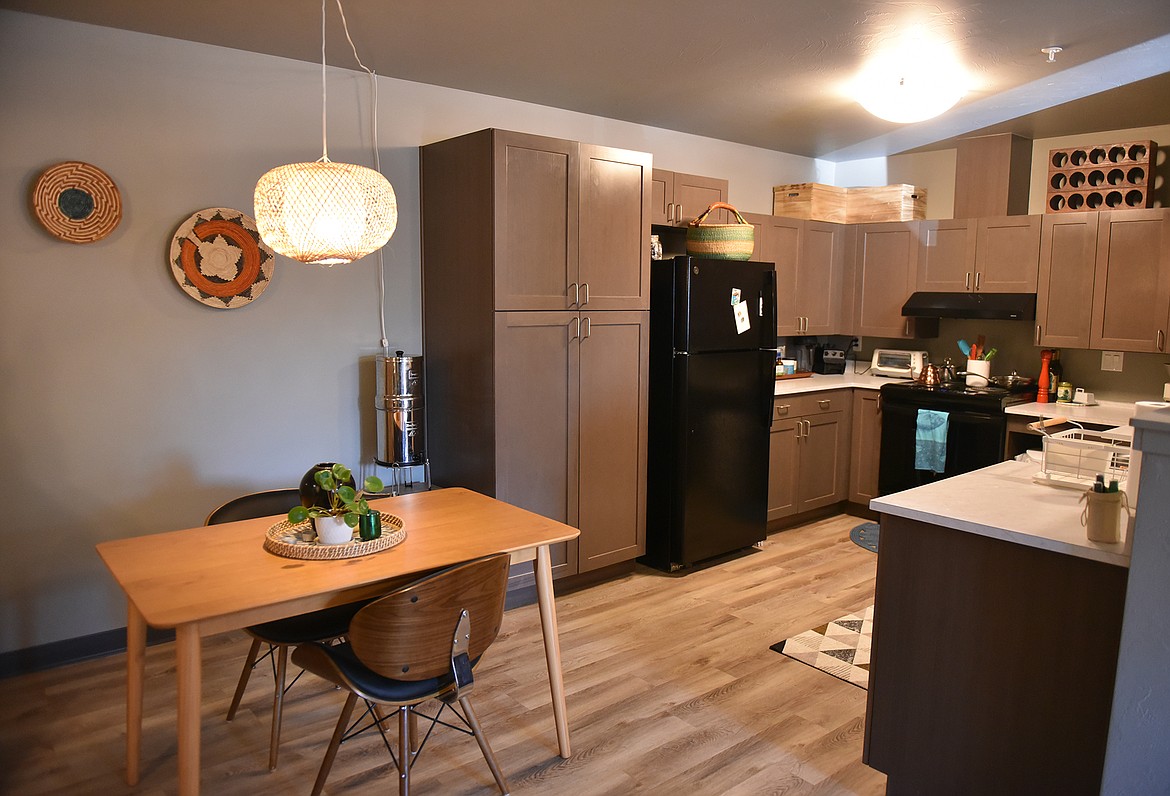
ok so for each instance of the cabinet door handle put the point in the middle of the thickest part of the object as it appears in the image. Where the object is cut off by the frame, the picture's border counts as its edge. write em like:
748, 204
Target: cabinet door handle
1037, 340
978, 277
907, 332
678, 213
807, 428
576, 294
1161, 340
576, 329
967, 281
585, 290
670, 211
588, 328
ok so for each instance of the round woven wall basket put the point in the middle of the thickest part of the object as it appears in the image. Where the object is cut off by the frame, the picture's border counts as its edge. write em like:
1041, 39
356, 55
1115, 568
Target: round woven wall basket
721, 241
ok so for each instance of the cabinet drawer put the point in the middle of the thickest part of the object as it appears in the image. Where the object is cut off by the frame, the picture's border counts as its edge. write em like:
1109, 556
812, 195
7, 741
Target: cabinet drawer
812, 403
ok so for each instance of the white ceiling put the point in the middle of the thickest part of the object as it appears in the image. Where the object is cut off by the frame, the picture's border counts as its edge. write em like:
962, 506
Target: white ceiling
767, 73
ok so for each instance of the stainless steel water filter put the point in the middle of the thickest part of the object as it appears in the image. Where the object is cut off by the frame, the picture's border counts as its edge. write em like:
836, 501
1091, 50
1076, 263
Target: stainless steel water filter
401, 411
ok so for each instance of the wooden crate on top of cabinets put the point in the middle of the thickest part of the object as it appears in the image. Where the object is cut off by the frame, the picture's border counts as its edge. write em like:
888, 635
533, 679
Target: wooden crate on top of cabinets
879, 203
810, 201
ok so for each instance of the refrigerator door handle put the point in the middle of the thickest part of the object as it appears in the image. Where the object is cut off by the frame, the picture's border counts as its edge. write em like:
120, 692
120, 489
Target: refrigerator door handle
768, 363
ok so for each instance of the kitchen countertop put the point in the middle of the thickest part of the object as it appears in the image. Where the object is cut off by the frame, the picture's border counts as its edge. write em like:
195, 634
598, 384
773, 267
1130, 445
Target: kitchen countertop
818, 382
1002, 502
1104, 413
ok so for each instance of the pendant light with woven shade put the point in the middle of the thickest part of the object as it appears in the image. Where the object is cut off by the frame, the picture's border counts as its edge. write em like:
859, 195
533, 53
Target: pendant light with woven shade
325, 213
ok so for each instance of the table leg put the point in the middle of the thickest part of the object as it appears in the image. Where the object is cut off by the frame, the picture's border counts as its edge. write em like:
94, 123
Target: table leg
190, 693
135, 674
542, 568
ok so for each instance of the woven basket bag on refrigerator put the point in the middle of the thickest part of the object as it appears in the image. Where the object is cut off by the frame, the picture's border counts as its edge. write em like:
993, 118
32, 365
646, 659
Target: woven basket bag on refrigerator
720, 241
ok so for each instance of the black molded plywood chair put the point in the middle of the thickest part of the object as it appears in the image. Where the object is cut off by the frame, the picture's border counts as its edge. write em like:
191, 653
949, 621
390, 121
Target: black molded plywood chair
279, 635
419, 642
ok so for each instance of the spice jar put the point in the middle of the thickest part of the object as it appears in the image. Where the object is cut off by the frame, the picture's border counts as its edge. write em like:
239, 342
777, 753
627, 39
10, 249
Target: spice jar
1064, 392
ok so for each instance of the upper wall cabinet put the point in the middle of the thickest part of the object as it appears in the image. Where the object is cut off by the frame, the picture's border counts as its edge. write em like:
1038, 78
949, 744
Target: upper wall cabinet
811, 276
678, 198
885, 259
1131, 290
568, 223
1068, 257
980, 255
1105, 280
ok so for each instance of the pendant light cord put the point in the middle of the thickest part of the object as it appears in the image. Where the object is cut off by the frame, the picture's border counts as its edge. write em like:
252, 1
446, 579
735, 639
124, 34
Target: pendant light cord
324, 92
377, 155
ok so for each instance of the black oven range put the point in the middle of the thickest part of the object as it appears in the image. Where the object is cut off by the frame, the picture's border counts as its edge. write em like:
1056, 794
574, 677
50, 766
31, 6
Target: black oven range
976, 428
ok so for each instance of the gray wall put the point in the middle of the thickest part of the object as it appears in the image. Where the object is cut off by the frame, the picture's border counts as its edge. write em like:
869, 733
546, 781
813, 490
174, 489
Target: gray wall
128, 408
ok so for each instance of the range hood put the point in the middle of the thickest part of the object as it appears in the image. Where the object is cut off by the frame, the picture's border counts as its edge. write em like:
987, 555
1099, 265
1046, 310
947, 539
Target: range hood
983, 306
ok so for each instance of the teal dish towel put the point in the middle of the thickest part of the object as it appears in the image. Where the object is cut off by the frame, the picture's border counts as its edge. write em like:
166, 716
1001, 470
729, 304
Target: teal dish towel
930, 441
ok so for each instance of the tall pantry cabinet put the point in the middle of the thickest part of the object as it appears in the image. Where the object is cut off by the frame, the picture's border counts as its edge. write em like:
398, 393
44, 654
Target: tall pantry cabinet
535, 265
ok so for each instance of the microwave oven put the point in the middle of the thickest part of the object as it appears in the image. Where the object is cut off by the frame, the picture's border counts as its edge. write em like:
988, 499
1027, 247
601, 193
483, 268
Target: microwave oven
898, 364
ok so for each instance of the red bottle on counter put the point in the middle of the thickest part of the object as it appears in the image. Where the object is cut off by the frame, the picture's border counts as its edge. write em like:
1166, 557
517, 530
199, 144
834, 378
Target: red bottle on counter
1042, 383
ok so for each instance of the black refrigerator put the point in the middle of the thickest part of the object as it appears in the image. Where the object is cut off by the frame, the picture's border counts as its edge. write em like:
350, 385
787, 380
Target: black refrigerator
712, 379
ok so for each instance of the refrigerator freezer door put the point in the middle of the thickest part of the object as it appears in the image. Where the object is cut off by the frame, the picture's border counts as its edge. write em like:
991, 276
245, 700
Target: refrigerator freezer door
706, 295
721, 487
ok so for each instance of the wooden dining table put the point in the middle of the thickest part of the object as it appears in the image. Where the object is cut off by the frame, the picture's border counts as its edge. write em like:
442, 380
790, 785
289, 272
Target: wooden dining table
210, 579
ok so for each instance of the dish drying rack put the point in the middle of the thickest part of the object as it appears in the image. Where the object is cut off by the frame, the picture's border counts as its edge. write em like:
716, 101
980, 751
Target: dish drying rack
1073, 458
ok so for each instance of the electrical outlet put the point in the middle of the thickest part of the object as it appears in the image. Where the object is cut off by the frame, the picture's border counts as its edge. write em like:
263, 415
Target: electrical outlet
855, 344
1112, 361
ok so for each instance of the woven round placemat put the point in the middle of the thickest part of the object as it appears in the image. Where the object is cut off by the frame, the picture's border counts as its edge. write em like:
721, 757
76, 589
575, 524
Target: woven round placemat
300, 540
77, 202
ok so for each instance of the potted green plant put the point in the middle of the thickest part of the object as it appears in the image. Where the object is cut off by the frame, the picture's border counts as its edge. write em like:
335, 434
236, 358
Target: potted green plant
334, 523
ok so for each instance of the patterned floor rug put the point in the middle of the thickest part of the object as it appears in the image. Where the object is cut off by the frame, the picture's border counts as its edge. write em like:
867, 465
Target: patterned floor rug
840, 647
866, 535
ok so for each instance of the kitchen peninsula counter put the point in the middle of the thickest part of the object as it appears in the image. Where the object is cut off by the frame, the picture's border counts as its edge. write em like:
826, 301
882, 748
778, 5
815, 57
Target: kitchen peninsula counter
996, 633
1003, 502
1105, 413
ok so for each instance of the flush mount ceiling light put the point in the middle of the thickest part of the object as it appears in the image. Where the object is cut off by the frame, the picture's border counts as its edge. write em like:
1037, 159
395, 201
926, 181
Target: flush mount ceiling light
914, 79
325, 213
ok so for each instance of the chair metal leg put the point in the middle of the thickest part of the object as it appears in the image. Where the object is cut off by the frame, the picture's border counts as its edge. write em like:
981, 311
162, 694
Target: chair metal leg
413, 731
334, 742
481, 739
277, 705
405, 757
253, 653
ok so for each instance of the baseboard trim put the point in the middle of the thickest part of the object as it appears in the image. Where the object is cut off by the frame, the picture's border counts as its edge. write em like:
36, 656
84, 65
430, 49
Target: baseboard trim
72, 650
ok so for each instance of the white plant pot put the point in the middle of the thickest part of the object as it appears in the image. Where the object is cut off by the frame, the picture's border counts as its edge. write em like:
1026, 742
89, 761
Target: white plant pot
332, 530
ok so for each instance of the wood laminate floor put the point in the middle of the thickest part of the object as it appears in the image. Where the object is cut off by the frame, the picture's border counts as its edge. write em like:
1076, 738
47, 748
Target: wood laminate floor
671, 690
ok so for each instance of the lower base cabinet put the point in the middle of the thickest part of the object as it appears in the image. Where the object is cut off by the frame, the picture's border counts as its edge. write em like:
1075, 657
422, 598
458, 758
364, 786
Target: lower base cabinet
993, 664
866, 446
808, 462
570, 423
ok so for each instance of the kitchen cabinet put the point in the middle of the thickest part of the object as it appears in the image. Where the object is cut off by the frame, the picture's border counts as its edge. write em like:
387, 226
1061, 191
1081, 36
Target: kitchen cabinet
885, 259
865, 446
822, 284
1131, 290
777, 240
1064, 293
571, 425
979, 255
811, 276
535, 270
1105, 280
567, 219
809, 452
678, 198
983, 714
